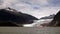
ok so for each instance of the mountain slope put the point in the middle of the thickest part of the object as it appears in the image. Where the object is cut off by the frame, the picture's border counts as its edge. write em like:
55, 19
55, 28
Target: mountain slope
15, 17
48, 17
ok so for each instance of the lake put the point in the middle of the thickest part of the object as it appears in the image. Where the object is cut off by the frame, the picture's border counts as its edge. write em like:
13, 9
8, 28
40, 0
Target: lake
29, 30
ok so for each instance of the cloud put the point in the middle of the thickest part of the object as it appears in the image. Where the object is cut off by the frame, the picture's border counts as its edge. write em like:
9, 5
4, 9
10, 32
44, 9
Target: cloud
35, 4
7, 3
54, 3
40, 2
37, 8
23, 6
42, 12
1, 2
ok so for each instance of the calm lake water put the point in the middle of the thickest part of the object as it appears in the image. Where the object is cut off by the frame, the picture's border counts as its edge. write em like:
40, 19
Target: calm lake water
25, 30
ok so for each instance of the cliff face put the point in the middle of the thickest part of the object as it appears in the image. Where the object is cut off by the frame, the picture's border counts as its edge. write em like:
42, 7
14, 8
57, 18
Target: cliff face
15, 17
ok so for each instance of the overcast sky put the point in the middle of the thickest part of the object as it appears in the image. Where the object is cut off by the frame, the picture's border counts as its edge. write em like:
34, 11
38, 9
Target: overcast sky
37, 8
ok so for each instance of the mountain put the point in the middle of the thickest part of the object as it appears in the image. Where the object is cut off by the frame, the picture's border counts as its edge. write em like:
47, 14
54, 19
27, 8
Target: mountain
12, 15
55, 22
48, 17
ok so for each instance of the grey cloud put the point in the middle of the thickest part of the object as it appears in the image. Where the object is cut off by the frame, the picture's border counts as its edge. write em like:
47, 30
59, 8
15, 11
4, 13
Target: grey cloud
54, 3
